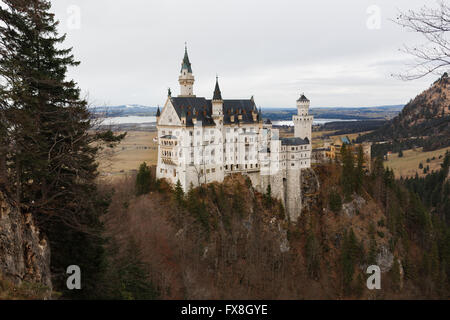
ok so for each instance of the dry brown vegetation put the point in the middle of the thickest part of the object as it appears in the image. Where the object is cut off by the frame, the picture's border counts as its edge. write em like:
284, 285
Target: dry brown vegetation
226, 241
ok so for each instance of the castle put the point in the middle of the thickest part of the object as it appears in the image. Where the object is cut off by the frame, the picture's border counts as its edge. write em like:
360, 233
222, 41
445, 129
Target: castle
202, 140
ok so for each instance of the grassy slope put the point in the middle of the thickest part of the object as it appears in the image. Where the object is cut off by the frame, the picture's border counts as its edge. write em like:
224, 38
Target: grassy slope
408, 165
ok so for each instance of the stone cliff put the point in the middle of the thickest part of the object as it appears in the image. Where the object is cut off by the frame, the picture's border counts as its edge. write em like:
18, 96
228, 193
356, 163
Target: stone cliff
24, 253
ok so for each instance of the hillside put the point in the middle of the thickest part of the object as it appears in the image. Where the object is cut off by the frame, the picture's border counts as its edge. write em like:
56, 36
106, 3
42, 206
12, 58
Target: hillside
227, 241
427, 116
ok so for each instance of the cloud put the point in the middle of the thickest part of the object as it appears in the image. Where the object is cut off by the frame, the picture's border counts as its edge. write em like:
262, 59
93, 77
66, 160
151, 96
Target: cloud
131, 50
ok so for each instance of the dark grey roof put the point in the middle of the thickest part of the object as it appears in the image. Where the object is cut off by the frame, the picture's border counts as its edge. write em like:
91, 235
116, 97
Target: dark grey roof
294, 141
303, 98
186, 64
158, 113
168, 136
268, 121
217, 94
203, 110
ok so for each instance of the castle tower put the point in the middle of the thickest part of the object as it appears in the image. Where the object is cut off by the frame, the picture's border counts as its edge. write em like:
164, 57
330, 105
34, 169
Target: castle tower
217, 104
303, 121
186, 78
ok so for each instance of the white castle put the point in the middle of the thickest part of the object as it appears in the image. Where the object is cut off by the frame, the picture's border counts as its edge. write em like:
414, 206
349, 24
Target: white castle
202, 140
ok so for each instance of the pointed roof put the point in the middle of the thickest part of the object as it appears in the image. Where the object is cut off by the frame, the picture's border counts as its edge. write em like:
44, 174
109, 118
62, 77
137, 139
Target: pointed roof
217, 94
158, 113
303, 98
186, 64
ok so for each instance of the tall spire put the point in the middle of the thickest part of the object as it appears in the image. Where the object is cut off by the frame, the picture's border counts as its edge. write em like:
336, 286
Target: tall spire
186, 78
186, 64
217, 93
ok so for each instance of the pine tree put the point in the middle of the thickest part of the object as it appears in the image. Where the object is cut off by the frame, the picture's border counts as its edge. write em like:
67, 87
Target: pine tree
348, 168
50, 151
335, 201
359, 169
395, 275
143, 180
268, 196
179, 194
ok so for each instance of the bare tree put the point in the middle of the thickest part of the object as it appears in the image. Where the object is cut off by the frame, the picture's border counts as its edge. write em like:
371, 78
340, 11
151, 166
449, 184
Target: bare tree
432, 57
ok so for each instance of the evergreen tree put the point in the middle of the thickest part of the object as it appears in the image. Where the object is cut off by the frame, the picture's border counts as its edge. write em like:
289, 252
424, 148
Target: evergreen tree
179, 194
335, 201
395, 275
143, 180
348, 168
372, 254
349, 258
359, 169
312, 251
49, 149
268, 196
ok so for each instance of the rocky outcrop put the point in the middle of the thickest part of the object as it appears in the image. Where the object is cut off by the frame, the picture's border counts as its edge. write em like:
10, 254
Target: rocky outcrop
24, 252
310, 186
385, 259
354, 207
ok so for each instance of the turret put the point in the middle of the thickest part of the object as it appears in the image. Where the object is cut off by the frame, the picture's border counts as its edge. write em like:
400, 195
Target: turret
158, 115
186, 78
303, 121
303, 105
217, 103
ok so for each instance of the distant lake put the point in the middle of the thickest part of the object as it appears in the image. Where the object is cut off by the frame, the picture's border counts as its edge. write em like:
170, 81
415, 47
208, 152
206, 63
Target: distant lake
317, 121
128, 120
148, 119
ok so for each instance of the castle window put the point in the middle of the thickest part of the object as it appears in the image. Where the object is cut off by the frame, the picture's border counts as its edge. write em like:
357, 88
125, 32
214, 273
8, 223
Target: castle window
207, 171
213, 170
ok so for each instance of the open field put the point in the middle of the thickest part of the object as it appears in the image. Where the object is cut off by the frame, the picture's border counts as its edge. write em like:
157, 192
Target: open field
408, 165
137, 147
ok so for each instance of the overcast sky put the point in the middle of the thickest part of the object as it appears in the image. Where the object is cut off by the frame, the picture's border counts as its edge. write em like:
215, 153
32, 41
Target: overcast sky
339, 53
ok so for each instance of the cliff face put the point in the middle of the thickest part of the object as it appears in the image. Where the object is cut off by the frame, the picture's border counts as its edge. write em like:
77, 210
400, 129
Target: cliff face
24, 252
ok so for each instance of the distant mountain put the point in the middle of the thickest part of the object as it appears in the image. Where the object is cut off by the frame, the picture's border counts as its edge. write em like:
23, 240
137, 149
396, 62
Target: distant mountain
427, 117
358, 113
124, 110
